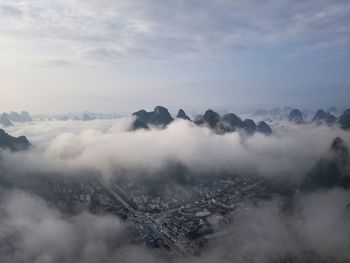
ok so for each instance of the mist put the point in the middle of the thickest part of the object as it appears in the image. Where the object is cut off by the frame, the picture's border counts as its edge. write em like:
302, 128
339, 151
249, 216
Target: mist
108, 147
33, 231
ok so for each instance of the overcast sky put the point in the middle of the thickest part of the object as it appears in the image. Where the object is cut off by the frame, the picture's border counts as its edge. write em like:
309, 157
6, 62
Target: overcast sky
122, 55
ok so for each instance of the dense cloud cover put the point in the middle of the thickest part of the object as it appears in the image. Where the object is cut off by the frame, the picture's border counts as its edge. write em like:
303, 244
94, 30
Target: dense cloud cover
33, 231
321, 225
105, 146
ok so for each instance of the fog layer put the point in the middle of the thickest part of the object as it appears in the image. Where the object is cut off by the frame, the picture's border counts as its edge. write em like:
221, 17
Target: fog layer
107, 147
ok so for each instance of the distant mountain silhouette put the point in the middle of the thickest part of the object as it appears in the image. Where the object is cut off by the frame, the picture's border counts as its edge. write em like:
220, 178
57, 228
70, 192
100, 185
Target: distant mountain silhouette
344, 120
182, 115
24, 116
86, 117
138, 124
230, 123
296, 116
264, 128
160, 116
210, 119
5, 120
276, 113
333, 169
293, 115
249, 126
13, 143
219, 124
332, 110
324, 117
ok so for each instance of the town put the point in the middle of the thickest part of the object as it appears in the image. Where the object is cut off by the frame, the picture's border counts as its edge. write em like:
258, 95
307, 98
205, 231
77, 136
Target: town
179, 220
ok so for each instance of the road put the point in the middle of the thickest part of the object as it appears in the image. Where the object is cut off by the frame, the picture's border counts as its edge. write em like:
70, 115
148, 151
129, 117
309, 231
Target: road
145, 217
120, 200
141, 216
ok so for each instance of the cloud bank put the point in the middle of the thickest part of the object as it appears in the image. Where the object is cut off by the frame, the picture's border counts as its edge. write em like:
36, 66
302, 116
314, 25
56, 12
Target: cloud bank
32, 231
106, 147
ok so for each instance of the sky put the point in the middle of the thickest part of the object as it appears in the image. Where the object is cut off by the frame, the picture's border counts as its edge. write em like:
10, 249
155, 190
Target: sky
122, 55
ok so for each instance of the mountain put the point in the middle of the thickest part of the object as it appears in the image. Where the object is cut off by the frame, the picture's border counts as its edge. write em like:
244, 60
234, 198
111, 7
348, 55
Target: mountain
24, 116
264, 128
344, 120
333, 110
137, 124
160, 116
210, 118
13, 143
182, 115
276, 113
324, 117
333, 169
249, 126
296, 116
5, 120
220, 124
230, 123
86, 117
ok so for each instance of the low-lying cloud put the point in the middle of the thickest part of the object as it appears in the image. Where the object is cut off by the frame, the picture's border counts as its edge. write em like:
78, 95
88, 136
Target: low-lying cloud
107, 147
318, 231
33, 231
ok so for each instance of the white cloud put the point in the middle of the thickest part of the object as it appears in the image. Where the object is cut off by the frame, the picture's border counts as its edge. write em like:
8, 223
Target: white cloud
106, 147
31, 230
